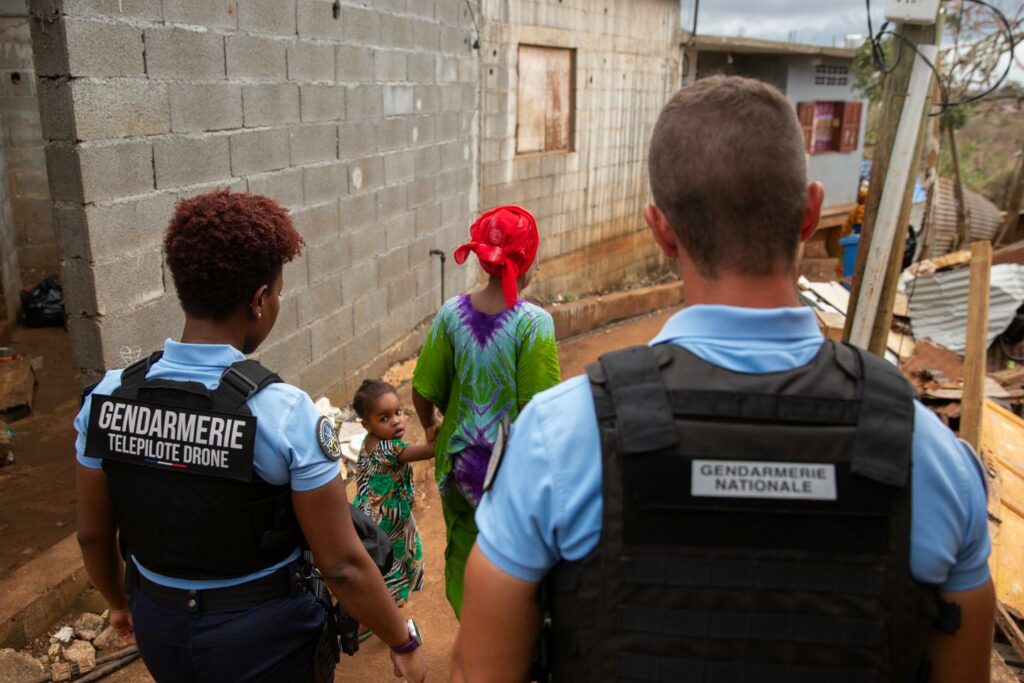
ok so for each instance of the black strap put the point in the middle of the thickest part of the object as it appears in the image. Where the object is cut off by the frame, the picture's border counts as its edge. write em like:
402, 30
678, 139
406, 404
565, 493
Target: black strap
239, 383
638, 393
135, 374
882, 447
636, 667
697, 572
751, 407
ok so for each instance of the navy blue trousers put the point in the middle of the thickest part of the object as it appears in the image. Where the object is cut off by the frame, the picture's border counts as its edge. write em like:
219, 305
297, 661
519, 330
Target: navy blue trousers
272, 642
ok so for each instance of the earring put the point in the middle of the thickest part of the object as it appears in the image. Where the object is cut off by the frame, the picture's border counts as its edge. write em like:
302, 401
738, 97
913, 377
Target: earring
259, 316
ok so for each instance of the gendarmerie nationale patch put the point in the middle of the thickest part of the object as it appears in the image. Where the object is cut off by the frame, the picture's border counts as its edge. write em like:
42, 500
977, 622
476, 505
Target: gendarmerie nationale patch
497, 453
328, 438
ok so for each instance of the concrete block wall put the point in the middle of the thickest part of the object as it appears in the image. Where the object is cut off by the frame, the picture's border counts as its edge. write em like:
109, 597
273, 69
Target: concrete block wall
35, 237
10, 275
359, 117
588, 201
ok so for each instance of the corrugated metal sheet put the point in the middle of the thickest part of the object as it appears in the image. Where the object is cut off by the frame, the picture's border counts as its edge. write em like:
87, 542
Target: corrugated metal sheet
938, 304
983, 219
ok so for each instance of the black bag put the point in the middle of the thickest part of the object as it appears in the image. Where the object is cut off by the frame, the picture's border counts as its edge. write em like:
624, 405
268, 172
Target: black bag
376, 542
43, 305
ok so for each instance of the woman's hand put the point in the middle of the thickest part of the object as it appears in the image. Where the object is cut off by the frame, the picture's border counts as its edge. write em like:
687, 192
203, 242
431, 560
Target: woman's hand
121, 620
411, 667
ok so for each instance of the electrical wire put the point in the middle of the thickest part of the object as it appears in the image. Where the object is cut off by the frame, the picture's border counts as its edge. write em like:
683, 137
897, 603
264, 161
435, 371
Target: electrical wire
879, 60
476, 26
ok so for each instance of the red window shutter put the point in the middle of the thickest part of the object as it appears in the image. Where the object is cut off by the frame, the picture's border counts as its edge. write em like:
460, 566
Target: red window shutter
849, 136
805, 112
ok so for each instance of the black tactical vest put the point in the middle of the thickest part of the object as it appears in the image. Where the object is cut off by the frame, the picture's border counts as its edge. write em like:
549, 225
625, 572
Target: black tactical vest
755, 527
179, 464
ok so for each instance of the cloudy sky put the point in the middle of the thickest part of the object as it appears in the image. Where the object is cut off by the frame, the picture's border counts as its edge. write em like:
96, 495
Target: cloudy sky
821, 22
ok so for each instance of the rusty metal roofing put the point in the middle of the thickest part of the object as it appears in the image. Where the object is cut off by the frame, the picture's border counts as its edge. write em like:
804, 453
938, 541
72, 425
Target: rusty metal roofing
983, 219
938, 304
754, 46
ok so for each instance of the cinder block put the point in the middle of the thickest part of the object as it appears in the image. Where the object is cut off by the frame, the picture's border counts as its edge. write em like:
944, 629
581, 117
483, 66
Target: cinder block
258, 151
64, 175
27, 185
14, 8
288, 356
322, 102
359, 279
230, 184
145, 327
253, 57
422, 67
422, 191
284, 187
426, 36
355, 64
394, 133
391, 201
395, 31
316, 20
401, 291
189, 161
399, 167
209, 13
276, 17
184, 54
318, 224
120, 109
357, 212
428, 99
119, 9
428, 160
428, 218
196, 108
128, 282
321, 299
366, 175
327, 262
326, 372
394, 261
128, 226
114, 170
390, 65
332, 331
398, 100
56, 115
399, 229
325, 183
361, 26
78, 281
296, 274
313, 143
311, 62
267, 105
364, 102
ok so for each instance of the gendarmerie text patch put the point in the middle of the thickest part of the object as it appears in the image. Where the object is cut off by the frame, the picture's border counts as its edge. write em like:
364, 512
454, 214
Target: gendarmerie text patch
756, 479
182, 439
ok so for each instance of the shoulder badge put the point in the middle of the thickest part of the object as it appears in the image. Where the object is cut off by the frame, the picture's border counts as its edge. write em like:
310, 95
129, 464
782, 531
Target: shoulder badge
497, 453
328, 438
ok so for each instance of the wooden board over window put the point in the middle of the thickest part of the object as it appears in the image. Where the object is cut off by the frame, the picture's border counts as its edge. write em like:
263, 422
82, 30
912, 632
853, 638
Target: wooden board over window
546, 103
830, 126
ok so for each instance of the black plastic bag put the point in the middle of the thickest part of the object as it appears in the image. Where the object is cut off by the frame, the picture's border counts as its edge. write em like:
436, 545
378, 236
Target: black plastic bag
43, 305
374, 540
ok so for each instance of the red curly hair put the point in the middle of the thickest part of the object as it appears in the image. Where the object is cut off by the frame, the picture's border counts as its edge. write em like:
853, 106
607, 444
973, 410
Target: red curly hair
222, 246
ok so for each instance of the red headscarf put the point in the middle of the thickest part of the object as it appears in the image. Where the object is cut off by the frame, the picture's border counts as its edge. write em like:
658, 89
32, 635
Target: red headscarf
505, 240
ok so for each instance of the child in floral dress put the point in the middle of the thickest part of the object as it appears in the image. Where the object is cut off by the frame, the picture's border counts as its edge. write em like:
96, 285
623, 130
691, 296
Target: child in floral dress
384, 488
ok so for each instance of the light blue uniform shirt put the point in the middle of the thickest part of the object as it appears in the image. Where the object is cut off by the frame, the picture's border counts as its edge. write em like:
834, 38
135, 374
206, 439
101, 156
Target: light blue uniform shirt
545, 504
286, 452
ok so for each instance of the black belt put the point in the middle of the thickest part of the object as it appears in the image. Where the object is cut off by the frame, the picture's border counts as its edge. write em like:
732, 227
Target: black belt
283, 583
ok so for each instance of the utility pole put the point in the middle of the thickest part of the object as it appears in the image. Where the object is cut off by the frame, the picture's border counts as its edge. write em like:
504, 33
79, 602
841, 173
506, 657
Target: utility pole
884, 229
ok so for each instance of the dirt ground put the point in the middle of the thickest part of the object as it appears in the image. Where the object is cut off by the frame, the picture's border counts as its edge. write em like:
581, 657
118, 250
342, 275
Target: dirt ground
38, 493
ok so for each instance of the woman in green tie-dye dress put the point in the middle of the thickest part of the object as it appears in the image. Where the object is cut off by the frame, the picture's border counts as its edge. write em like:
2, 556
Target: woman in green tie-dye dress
485, 356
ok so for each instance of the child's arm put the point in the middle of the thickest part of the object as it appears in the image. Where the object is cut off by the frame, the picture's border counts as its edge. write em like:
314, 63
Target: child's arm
419, 451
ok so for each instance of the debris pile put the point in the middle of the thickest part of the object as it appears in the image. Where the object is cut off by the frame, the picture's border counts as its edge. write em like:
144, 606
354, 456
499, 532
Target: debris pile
86, 647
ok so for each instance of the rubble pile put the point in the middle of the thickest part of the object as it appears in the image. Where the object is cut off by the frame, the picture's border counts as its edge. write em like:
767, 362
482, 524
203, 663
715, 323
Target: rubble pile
74, 649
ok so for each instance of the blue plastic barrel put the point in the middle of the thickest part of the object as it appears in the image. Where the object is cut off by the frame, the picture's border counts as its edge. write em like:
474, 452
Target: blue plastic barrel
849, 245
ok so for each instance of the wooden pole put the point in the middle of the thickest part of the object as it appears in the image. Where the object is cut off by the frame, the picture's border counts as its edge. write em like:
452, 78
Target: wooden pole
893, 206
976, 350
962, 234
1013, 202
893, 102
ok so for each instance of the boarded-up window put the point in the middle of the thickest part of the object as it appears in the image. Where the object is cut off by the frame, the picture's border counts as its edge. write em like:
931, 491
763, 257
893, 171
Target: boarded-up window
546, 103
830, 126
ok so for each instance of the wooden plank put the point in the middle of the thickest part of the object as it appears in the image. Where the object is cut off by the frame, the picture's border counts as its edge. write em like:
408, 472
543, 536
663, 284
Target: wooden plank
1002, 451
1010, 629
901, 306
977, 345
890, 207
